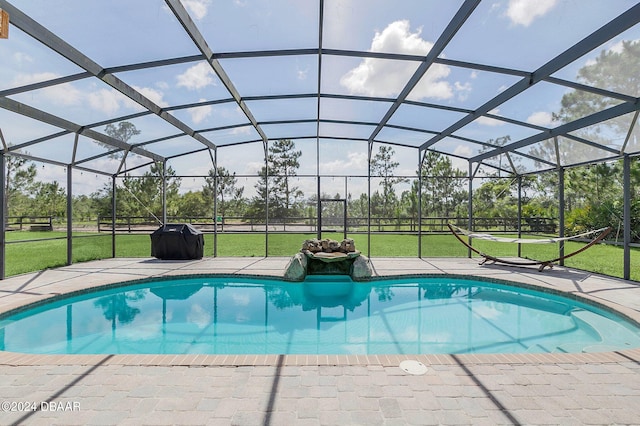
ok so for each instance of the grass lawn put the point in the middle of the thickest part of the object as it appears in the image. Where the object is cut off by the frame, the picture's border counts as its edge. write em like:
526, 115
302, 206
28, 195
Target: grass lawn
47, 253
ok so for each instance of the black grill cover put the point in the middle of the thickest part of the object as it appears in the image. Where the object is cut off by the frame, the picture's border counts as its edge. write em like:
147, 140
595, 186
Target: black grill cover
177, 241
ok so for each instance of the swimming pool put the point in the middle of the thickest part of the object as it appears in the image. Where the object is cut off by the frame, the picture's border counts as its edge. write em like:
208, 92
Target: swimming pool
323, 315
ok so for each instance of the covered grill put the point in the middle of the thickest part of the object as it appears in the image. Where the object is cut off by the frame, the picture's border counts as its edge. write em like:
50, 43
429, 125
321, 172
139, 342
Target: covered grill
177, 241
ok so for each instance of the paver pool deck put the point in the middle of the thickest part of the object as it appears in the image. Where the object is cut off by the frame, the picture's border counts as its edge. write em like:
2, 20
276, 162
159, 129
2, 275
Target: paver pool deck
566, 389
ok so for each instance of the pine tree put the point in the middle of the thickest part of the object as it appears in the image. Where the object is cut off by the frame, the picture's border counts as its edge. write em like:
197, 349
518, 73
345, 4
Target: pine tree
282, 164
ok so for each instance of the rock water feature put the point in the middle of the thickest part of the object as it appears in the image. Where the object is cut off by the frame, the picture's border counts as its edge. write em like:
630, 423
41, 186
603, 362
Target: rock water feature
328, 257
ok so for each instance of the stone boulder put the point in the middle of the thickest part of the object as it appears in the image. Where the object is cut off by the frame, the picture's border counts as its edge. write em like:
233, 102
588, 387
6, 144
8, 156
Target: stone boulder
297, 268
313, 245
328, 257
347, 246
328, 245
361, 268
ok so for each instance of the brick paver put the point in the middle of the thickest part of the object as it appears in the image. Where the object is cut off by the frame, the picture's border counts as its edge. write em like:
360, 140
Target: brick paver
589, 397
153, 397
319, 390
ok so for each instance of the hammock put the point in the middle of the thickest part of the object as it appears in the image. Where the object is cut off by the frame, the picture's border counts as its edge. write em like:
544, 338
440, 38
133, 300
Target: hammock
542, 264
524, 240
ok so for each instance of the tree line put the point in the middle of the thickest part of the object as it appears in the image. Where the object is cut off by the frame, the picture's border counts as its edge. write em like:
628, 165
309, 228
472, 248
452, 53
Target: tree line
593, 194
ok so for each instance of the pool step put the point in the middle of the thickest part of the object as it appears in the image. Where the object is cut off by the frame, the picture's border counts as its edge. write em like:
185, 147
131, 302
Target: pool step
609, 335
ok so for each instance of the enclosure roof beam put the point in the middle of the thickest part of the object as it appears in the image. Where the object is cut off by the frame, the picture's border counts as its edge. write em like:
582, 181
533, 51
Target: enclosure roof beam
319, 86
49, 39
58, 163
452, 28
522, 154
36, 114
592, 144
574, 165
38, 140
192, 30
590, 89
277, 97
595, 39
97, 156
334, 52
154, 64
88, 126
562, 130
45, 84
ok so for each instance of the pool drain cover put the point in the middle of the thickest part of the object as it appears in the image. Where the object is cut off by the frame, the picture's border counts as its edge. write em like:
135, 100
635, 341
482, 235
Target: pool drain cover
416, 368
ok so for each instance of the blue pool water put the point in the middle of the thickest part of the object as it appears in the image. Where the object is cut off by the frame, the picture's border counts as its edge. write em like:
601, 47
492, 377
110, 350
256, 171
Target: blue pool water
323, 315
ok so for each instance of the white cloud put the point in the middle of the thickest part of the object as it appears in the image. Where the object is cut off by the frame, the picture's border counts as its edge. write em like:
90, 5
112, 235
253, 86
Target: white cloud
463, 90
540, 118
524, 12
199, 316
463, 151
105, 100
380, 77
24, 79
21, 58
616, 48
197, 8
196, 77
108, 101
591, 62
487, 312
240, 299
353, 161
432, 86
61, 94
302, 74
487, 121
253, 167
64, 94
153, 95
244, 130
198, 114
619, 46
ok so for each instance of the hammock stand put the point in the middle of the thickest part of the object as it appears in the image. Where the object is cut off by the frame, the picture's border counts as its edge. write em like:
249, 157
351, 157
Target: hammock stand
541, 264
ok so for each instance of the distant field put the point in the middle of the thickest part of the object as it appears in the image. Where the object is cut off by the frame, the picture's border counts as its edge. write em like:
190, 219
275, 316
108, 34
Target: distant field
45, 252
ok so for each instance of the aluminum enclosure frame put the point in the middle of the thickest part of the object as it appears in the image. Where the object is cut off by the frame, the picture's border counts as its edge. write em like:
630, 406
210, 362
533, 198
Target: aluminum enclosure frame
527, 79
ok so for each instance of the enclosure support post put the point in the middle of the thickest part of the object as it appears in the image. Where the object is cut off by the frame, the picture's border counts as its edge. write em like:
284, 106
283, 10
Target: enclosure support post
519, 226
266, 198
626, 216
319, 219
369, 199
420, 161
470, 202
3, 214
164, 192
69, 215
215, 201
113, 216
561, 212
318, 205
345, 217
346, 205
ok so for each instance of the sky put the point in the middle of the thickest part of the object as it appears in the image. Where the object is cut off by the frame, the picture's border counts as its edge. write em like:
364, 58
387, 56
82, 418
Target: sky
518, 34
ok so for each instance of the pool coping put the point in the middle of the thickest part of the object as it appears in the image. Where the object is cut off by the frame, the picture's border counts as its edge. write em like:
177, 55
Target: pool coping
382, 271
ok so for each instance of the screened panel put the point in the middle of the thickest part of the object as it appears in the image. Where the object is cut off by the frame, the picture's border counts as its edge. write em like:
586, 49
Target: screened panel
212, 116
503, 90
84, 101
179, 84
